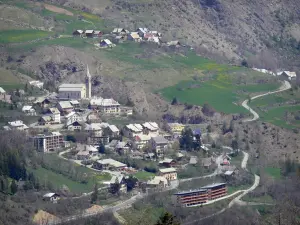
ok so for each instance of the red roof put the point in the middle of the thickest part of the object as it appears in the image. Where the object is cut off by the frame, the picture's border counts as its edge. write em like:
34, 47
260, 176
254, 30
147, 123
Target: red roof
148, 35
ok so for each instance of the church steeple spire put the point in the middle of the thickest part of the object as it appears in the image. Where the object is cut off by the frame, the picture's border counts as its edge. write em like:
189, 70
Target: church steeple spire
88, 83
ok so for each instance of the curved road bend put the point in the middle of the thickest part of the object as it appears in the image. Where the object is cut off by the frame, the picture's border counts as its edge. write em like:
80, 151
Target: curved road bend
285, 86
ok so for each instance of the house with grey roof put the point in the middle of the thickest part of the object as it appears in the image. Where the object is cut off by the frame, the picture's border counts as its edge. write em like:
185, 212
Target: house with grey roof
159, 144
65, 107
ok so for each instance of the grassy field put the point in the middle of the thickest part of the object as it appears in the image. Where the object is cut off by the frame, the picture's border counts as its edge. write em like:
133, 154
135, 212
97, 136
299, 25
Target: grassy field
273, 172
9, 81
220, 93
143, 175
261, 199
273, 108
17, 36
58, 172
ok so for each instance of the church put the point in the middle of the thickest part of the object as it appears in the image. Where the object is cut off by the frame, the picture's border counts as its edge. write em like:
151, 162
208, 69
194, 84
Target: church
76, 91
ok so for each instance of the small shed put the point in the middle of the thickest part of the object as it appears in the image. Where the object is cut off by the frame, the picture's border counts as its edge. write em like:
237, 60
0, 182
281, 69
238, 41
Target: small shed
89, 33
52, 197
77, 32
105, 43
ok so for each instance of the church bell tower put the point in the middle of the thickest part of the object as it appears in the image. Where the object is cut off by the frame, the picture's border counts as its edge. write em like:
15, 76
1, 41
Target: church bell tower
88, 83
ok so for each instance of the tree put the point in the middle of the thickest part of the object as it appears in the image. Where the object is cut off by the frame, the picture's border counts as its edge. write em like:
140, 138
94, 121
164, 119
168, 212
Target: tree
208, 110
224, 127
174, 101
244, 63
209, 129
167, 219
13, 187
101, 148
186, 140
234, 145
26, 87
131, 182
94, 195
115, 187
231, 127
3, 184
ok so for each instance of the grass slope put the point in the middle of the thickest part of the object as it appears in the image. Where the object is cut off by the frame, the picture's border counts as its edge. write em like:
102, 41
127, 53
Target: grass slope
9, 81
274, 108
220, 93
17, 36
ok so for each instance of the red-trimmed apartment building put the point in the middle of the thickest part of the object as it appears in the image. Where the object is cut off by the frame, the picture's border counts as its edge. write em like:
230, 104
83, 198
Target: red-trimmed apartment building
202, 195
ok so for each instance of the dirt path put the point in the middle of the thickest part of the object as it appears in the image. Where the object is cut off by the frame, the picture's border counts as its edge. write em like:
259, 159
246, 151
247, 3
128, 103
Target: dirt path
245, 160
285, 86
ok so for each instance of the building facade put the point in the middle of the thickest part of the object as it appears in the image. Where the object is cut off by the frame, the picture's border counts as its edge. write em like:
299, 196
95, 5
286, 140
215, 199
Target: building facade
76, 91
108, 106
202, 195
168, 173
48, 142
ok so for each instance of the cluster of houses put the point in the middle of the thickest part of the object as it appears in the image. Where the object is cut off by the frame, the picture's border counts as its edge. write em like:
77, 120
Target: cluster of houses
285, 74
118, 35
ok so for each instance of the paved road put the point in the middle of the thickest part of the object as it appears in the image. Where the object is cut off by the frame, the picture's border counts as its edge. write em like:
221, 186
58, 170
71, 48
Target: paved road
285, 86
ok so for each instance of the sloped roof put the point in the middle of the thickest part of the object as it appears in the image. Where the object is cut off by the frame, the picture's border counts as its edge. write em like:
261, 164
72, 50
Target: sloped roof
54, 110
108, 42
65, 104
27, 108
167, 170
113, 128
160, 140
111, 162
135, 35
89, 31
2, 91
49, 195
156, 180
151, 126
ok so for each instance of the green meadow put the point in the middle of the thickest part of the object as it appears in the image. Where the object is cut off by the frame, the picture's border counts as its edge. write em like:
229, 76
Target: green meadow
17, 36
219, 92
273, 172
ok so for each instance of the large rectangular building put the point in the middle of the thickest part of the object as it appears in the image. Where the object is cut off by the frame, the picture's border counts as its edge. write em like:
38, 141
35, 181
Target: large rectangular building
48, 142
72, 91
202, 195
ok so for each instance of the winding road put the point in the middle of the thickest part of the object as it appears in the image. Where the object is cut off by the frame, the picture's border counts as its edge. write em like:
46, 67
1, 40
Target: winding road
285, 86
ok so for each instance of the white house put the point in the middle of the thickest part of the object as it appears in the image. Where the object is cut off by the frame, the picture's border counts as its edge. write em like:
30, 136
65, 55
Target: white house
73, 117
28, 110
37, 83
52, 197
132, 130
289, 75
55, 115
75, 126
16, 125
105, 43
2, 91
151, 128
109, 106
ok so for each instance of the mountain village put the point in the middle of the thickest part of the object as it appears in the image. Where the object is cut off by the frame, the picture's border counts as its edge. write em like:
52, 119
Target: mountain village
73, 111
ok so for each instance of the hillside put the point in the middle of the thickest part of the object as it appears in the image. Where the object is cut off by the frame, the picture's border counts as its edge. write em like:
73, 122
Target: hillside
221, 29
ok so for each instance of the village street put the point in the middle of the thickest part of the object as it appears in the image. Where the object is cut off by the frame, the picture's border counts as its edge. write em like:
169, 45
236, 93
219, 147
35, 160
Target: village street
285, 86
